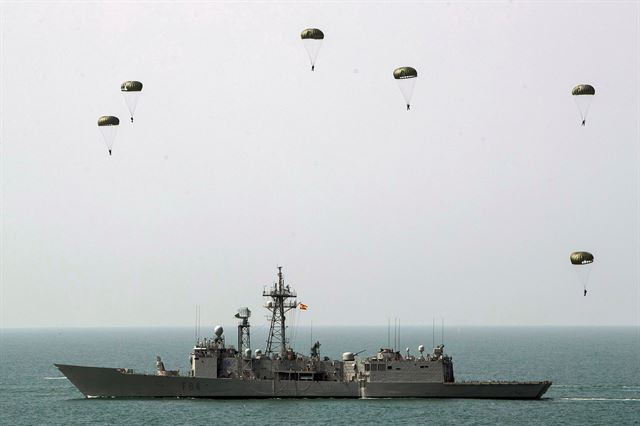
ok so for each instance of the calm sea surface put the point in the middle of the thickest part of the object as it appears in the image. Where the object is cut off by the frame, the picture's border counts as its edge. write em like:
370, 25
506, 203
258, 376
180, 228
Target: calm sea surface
595, 374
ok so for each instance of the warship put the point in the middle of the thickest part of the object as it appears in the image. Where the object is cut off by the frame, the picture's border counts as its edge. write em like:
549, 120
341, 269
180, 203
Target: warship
218, 370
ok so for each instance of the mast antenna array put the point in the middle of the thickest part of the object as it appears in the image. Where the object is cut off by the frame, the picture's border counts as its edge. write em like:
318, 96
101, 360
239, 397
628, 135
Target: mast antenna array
278, 304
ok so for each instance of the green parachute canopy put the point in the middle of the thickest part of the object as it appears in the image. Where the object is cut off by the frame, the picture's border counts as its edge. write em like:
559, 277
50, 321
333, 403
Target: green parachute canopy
583, 89
108, 125
312, 34
131, 86
581, 258
131, 91
404, 72
108, 120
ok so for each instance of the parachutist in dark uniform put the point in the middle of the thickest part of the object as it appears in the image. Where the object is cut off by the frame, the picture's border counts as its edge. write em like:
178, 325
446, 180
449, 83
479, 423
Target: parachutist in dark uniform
313, 67
583, 121
109, 152
585, 291
132, 119
408, 107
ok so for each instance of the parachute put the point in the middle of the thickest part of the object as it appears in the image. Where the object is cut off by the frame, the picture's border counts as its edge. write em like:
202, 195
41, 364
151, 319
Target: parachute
108, 125
406, 78
582, 261
131, 91
583, 95
312, 40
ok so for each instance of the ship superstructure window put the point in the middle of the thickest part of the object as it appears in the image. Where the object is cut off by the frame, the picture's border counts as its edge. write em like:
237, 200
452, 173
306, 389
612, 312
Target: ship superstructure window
375, 367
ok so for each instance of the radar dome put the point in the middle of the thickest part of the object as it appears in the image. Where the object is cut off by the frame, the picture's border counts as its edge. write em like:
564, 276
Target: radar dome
247, 353
421, 348
258, 352
218, 330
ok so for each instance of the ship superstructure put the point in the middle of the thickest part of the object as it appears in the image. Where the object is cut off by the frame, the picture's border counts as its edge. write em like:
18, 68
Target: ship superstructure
218, 370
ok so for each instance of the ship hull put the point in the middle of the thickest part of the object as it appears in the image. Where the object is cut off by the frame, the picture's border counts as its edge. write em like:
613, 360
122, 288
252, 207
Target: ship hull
475, 390
114, 383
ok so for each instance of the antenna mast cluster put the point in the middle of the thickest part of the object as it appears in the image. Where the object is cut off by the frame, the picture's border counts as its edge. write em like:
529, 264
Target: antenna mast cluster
279, 304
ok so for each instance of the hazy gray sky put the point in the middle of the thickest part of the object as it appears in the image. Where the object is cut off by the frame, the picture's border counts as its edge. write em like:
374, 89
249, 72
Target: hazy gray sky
241, 159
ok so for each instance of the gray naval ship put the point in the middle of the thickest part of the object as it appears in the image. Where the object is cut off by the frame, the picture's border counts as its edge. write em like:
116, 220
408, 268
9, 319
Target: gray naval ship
219, 370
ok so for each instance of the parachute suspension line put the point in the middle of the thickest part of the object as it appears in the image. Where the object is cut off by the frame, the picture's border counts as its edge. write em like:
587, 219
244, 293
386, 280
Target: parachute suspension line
583, 107
586, 112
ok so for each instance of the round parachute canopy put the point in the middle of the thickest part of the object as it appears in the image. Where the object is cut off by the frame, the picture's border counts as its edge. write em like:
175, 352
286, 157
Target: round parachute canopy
131, 91
108, 120
131, 86
312, 40
406, 78
108, 125
404, 72
583, 102
581, 258
312, 34
583, 89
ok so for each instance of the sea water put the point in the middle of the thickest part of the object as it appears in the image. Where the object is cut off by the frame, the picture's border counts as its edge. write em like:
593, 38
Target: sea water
595, 374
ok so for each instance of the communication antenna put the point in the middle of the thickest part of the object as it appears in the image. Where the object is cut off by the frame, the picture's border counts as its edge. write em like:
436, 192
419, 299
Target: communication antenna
399, 346
395, 333
197, 328
433, 332
442, 331
388, 332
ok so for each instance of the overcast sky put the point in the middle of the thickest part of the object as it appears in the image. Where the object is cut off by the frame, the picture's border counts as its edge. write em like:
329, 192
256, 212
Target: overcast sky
241, 159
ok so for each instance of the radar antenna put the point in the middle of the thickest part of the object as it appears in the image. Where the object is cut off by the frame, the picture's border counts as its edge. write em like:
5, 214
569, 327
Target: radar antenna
278, 304
244, 335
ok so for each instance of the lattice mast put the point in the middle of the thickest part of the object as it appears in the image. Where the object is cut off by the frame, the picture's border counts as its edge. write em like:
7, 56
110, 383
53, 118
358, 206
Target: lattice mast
244, 334
279, 304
